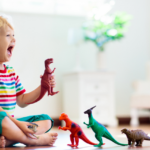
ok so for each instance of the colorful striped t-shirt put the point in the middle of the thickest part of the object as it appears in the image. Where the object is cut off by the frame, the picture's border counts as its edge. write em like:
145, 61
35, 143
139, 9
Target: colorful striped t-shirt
10, 88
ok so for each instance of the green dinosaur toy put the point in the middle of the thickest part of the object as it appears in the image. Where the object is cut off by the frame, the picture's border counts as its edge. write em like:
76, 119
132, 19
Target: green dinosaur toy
99, 130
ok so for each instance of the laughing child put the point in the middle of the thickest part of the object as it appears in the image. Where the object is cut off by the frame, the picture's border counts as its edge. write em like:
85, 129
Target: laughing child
11, 93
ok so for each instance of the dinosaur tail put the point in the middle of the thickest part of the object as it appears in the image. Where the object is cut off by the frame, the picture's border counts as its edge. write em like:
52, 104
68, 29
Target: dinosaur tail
110, 137
147, 138
85, 139
43, 91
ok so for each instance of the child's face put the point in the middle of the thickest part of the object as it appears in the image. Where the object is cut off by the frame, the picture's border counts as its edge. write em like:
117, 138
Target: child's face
7, 43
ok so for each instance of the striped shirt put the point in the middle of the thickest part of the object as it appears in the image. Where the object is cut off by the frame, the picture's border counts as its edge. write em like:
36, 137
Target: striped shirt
10, 88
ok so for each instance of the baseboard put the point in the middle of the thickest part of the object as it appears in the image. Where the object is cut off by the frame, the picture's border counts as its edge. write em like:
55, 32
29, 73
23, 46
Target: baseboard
126, 120
121, 121
57, 122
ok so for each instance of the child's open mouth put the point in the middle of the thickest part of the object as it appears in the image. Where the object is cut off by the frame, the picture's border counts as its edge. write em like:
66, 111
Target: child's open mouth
9, 50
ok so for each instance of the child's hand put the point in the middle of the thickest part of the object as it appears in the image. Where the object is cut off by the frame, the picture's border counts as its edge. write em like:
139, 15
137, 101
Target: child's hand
52, 82
24, 127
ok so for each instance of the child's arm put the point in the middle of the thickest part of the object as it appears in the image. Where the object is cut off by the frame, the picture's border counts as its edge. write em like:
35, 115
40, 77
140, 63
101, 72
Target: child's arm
23, 99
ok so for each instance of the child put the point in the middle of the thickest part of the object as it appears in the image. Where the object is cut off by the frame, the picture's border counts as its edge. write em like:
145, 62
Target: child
11, 92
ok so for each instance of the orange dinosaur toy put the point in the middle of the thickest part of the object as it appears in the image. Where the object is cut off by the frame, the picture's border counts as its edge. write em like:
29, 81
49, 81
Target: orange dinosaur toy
76, 131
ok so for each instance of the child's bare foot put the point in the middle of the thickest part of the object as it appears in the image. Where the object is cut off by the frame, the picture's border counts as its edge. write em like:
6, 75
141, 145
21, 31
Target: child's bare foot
2, 142
46, 139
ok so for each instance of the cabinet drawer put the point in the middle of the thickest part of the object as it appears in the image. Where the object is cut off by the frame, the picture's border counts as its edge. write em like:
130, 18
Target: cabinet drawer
100, 112
91, 100
97, 87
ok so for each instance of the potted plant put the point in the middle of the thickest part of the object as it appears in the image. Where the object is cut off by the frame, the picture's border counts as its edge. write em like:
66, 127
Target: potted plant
105, 29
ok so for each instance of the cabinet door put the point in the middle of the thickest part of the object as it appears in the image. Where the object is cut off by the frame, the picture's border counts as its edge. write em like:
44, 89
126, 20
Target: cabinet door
96, 87
101, 102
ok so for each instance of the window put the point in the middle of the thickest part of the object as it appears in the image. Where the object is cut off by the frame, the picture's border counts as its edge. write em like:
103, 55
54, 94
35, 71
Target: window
60, 7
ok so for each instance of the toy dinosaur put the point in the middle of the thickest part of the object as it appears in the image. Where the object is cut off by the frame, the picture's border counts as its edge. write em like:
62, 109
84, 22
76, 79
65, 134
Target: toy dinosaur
33, 127
45, 86
99, 129
137, 136
76, 131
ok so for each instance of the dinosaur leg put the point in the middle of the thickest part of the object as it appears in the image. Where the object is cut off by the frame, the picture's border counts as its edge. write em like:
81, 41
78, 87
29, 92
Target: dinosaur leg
50, 90
77, 141
129, 142
99, 138
72, 140
53, 93
137, 143
133, 143
141, 141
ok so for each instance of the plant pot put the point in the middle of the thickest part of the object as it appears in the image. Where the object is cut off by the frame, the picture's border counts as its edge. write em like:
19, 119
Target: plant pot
101, 60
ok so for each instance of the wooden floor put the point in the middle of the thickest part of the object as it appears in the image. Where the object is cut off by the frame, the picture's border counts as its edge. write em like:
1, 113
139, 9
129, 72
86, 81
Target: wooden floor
63, 140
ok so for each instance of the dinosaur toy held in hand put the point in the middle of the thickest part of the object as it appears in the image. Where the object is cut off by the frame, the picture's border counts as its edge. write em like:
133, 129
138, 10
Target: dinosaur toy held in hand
76, 131
47, 76
99, 129
33, 126
137, 136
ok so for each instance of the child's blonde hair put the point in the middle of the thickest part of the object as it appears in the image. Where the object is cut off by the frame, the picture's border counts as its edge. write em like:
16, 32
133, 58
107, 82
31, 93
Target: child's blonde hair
4, 22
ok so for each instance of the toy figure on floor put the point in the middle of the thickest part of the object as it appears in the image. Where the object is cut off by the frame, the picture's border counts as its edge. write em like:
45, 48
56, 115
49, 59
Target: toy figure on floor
45, 86
99, 129
76, 131
137, 136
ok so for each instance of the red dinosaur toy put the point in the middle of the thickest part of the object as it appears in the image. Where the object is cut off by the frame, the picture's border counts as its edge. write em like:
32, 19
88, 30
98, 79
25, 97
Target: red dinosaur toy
45, 86
76, 131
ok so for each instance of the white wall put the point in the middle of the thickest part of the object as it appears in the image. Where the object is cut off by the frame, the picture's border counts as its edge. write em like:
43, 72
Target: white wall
129, 56
42, 36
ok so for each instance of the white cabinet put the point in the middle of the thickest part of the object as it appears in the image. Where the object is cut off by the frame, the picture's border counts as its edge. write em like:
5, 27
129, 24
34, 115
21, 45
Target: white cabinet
83, 90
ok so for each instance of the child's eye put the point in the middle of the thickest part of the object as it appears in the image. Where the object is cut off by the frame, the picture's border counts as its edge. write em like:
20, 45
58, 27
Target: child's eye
8, 35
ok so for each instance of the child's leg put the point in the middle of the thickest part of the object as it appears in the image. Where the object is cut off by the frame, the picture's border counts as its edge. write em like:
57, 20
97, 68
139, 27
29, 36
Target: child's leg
43, 126
44, 121
11, 132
